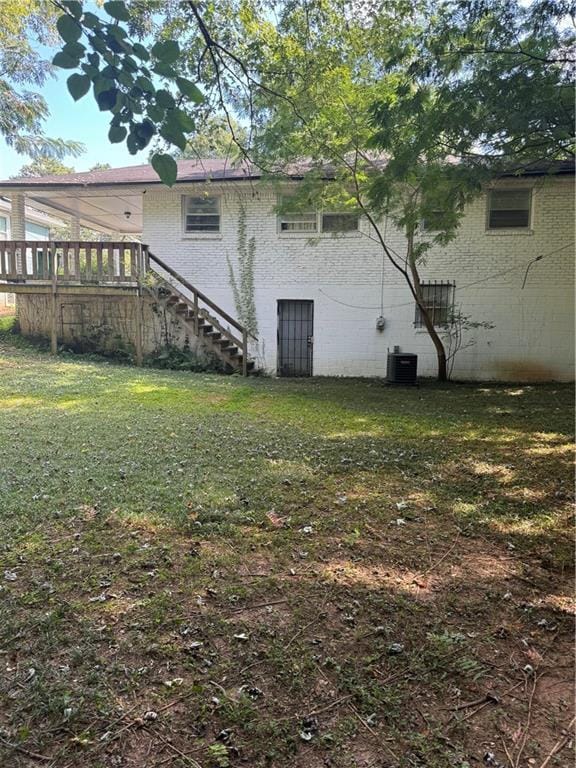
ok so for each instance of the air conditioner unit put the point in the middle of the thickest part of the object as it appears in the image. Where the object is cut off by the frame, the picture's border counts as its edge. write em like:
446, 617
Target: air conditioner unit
402, 368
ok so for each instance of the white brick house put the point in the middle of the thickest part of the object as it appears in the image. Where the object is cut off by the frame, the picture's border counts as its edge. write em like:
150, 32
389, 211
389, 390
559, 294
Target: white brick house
340, 284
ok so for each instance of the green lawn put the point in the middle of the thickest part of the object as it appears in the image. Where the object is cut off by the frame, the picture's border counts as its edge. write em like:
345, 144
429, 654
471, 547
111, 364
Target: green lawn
204, 570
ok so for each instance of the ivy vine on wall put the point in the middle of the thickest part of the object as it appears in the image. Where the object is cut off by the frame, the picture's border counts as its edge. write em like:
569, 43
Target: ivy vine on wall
243, 284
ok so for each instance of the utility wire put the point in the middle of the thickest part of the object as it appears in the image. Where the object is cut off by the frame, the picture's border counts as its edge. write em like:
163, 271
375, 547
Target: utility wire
462, 287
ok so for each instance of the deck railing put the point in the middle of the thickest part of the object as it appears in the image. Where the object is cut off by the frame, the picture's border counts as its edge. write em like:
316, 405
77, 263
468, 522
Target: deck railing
65, 261
111, 264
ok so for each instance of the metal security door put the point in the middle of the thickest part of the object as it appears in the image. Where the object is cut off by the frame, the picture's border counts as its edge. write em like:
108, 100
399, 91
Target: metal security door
295, 338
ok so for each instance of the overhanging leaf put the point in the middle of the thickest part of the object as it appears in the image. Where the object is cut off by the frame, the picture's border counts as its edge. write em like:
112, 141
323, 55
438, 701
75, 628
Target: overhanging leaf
172, 133
117, 134
184, 121
166, 168
68, 28
74, 7
74, 50
107, 99
166, 51
78, 85
165, 99
65, 62
117, 10
141, 52
188, 89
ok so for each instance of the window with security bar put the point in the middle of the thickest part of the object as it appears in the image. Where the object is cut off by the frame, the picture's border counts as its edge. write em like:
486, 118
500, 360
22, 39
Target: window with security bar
439, 302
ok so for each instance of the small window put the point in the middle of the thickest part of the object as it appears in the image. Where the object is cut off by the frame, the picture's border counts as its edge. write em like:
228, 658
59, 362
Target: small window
438, 300
509, 209
201, 214
298, 222
3, 227
340, 222
36, 231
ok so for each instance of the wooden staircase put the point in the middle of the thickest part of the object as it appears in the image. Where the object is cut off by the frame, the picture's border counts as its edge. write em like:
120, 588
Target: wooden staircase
203, 318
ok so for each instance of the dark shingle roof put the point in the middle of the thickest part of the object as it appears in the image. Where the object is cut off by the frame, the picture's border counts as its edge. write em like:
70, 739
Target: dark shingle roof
190, 171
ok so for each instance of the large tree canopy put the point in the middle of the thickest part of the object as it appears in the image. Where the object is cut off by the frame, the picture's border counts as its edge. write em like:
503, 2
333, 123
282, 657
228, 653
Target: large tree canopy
26, 26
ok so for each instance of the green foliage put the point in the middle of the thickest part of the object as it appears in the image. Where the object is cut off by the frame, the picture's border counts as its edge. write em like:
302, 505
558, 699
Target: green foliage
166, 168
170, 357
243, 286
28, 26
78, 85
123, 76
45, 166
219, 755
216, 136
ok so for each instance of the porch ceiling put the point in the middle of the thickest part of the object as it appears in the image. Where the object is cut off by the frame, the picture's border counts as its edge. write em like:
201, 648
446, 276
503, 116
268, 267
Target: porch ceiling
96, 208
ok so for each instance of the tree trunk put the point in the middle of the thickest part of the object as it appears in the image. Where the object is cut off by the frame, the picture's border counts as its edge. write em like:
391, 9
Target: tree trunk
442, 374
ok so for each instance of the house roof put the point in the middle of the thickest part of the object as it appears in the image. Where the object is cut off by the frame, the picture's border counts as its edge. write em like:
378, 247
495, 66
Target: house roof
111, 200
191, 171
188, 171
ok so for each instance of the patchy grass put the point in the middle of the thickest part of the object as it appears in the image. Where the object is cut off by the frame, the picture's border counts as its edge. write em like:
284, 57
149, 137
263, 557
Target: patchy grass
203, 570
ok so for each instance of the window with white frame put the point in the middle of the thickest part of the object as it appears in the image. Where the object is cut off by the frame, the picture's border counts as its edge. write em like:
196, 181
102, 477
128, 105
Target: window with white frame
3, 227
314, 221
36, 231
438, 299
298, 222
201, 214
509, 208
340, 222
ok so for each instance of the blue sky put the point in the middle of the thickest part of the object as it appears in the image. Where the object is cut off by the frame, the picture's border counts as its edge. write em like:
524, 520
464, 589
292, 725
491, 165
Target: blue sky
79, 120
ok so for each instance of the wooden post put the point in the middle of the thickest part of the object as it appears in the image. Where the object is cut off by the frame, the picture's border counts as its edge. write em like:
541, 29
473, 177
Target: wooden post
138, 319
54, 300
196, 318
244, 352
138, 340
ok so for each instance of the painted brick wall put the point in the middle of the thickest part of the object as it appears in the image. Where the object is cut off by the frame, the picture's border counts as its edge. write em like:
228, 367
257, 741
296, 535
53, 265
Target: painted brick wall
351, 284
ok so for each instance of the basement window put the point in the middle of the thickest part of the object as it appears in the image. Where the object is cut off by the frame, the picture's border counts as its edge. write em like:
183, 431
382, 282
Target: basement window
201, 214
439, 302
340, 222
509, 208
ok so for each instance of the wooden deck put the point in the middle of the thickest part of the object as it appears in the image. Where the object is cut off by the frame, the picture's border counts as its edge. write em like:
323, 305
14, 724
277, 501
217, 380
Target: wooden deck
41, 266
116, 268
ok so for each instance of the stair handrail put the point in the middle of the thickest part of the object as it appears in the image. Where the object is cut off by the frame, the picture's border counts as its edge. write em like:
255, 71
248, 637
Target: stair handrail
198, 295
197, 292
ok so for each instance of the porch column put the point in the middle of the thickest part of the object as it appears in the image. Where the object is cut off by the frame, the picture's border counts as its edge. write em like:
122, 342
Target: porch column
75, 228
17, 216
18, 224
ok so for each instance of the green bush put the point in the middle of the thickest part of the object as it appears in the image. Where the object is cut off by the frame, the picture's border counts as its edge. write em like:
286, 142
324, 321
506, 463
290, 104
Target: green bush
174, 358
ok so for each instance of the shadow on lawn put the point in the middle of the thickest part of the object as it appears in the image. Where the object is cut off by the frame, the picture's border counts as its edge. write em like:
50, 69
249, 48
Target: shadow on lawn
312, 651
